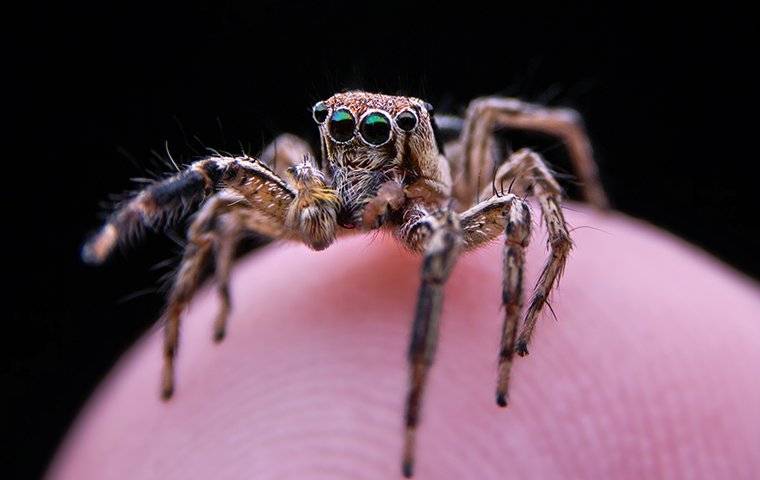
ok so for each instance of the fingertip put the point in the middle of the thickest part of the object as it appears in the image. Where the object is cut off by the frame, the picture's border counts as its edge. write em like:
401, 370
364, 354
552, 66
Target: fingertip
330, 343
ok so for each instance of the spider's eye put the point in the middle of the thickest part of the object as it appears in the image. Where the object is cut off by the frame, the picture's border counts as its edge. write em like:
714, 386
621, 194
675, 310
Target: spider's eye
406, 120
376, 128
342, 125
319, 112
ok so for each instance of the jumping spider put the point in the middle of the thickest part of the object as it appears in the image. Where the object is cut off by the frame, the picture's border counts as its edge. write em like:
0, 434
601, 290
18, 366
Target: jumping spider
381, 165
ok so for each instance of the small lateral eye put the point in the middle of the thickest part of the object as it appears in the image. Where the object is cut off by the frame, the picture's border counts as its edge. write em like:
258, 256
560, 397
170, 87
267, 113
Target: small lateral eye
342, 125
429, 108
319, 112
375, 128
406, 120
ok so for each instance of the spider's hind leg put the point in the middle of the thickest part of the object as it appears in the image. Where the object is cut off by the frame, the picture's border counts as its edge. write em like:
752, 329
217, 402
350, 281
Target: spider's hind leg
483, 223
488, 113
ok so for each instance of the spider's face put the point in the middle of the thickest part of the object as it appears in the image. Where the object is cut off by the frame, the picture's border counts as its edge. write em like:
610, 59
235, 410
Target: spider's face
368, 139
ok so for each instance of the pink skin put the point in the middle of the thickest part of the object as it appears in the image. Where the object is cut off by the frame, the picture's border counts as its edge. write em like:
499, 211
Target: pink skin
650, 372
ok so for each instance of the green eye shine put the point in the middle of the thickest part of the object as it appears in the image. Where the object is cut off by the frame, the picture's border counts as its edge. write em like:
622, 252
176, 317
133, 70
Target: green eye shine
375, 128
342, 125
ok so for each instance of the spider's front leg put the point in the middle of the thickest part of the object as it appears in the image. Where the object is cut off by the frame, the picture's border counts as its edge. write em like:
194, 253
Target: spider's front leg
309, 217
161, 203
529, 175
526, 171
213, 233
252, 198
438, 236
481, 224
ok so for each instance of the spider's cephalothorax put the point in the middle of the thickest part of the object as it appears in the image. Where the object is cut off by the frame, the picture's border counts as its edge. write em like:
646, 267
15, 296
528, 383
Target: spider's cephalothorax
381, 165
369, 141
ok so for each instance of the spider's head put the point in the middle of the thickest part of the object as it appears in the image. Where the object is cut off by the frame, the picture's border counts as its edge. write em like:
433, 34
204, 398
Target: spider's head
368, 139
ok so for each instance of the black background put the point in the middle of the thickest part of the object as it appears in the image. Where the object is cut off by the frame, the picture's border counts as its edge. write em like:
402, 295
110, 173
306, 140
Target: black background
99, 91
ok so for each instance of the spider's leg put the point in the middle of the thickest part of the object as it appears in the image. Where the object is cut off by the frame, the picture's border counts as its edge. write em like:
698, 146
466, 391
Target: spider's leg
529, 173
481, 224
309, 217
197, 252
214, 232
231, 230
438, 236
285, 151
163, 202
485, 114
522, 173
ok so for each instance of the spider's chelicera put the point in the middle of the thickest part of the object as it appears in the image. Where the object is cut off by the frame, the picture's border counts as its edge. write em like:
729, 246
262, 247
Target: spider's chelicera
381, 165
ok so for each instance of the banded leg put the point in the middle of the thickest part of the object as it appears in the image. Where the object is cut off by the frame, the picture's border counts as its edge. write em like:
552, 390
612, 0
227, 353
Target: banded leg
559, 249
194, 259
227, 241
486, 114
231, 228
482, 223
207, 237
284, 152
438, 236
310, 218
164, 202
529, 172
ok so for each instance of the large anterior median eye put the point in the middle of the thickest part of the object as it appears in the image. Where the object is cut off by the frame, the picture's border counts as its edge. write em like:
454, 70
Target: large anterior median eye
375, 128
342, 125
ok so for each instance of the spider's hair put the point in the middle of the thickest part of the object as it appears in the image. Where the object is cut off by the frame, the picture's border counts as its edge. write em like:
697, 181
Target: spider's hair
163, 203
